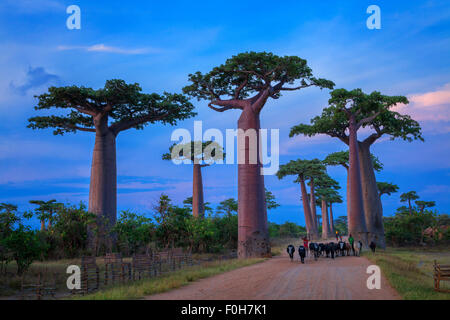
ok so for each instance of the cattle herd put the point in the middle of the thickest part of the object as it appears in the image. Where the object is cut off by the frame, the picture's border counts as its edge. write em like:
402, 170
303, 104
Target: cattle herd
328, 250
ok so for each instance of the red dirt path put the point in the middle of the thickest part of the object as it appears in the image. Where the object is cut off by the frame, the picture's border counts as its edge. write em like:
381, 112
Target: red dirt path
280, 279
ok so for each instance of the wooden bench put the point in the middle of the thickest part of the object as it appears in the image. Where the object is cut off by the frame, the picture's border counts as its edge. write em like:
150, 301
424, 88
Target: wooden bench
441, 273
142, 265
116, 268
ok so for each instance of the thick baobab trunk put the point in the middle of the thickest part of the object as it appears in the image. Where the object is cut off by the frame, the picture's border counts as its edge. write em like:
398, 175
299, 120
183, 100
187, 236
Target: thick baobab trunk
103, 186
307, 212
331, 219
372, 205
356, 219
314, 208
42, 225
325, 224
253, 236
198, 206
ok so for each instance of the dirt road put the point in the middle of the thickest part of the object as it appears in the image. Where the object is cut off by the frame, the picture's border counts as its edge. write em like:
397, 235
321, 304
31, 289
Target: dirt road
344, 278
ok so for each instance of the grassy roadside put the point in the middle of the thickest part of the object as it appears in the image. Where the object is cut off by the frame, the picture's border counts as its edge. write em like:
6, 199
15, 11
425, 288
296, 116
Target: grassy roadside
139, 289
410, 271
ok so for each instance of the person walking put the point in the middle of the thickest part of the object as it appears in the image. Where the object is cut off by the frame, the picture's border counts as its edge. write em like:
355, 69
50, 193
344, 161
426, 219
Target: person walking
351, 240
305, 244
337, 235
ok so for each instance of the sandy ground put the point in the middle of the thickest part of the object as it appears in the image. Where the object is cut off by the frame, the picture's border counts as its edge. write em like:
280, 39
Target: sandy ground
344, 278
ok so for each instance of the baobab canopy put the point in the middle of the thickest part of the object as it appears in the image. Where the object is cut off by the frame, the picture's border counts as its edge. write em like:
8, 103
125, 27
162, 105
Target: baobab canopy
250, 73
123, 103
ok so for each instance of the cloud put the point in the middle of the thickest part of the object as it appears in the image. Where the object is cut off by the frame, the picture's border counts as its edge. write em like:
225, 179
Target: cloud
109, 49
35, 78
436, 189
431, 106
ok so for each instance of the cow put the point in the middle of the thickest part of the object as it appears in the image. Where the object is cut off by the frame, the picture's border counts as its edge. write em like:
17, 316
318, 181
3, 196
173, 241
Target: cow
358, 248
372, 246
291, 250
348, 248
332, 247
321, 249
341, 245
327, 250
314, 249
302, 253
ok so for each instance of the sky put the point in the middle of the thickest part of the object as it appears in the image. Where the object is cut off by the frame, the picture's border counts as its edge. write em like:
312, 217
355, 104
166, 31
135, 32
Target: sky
158, 44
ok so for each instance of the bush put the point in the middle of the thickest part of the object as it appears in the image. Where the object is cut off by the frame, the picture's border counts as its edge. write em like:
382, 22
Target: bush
24, 246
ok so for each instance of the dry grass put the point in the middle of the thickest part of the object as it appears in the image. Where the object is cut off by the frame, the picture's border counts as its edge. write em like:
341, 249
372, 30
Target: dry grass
140, 289
410, 270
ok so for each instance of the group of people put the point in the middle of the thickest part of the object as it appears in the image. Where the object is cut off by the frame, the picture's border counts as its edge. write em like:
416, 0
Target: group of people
330, 249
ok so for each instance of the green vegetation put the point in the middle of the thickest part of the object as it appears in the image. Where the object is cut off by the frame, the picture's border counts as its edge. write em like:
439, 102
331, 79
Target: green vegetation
410, 270
140, 289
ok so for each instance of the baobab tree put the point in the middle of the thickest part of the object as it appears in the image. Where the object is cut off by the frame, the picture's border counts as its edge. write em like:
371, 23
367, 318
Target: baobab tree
408, 197
106, 112
302, 170
341, 158
422, 205
386, 188
348, 112
316, 170
200, 154
326, 188
246, 82
333, 197
45, 211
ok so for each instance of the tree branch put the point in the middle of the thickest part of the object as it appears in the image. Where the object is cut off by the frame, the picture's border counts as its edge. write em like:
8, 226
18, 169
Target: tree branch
368, 119
117, 127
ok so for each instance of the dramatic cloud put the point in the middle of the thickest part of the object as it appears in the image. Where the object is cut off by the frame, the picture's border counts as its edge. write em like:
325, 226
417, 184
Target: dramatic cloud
430, 106
109, 49
35, 78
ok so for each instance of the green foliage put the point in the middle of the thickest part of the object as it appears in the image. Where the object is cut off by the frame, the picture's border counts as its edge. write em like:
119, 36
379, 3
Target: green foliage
196, 152
250, 73
303, 169
228, 206
370, 110
341, 225
270, 200
386, 188
133, 232
69, 233
341, 158
408, 196
123, 103
286, 230
24, 246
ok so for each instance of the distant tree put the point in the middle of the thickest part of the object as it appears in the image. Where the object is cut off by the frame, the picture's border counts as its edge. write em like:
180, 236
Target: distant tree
248, 80
408, 197
200, 154
386, 188
425, 204
228, 206
89, 110
326, 190
188, 204
25, 247
45, 211
302, 170
270, 200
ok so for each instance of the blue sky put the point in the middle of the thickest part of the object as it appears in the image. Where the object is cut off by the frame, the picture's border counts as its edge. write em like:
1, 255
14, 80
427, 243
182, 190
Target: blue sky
157, 44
